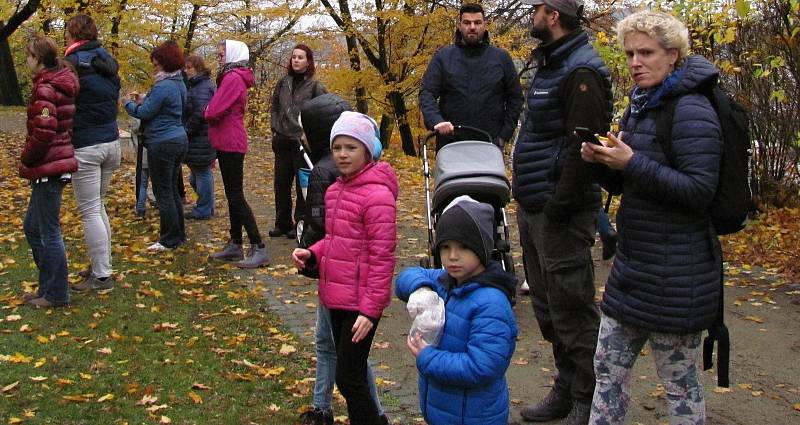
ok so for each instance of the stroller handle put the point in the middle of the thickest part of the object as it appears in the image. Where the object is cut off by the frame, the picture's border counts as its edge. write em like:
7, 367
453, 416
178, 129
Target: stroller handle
432, 134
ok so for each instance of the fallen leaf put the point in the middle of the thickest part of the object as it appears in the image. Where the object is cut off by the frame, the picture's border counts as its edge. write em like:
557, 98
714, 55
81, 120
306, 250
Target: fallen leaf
38, 378
106, 397
199, 386
195, 397
147, 399
520, 361
14, 420
273, 408
287, 349
42, 339
9, 387
165, 420
722, 390
754, 319
13, 318
105, 350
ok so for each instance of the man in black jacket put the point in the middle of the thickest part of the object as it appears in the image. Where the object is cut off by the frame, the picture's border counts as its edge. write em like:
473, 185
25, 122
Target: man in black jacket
558, 202
471, 83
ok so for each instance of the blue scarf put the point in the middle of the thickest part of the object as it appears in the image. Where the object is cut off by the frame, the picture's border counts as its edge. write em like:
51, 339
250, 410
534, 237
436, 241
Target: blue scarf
642, 99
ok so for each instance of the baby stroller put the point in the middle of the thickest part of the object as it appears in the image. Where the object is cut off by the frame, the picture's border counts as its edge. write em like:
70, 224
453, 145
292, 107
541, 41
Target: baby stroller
474, 168
303, 175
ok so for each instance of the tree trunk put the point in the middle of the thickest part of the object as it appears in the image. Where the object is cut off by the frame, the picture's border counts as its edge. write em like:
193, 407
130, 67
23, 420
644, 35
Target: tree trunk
401, 115
9, 85
115, 22
386, 127
187, 47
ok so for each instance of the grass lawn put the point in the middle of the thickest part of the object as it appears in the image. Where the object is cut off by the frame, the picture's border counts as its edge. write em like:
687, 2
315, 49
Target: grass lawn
178, 340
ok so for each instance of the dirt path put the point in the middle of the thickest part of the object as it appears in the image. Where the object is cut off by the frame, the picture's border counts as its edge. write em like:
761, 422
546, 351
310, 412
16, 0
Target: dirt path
762, 311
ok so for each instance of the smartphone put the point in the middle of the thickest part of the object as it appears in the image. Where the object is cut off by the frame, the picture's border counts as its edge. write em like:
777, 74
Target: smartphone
585, 135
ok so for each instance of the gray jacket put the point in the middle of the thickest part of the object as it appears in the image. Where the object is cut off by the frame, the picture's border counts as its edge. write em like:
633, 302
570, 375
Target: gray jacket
287, 100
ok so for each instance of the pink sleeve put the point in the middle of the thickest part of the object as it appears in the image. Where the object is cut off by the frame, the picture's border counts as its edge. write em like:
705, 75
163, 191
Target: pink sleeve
380, 218
228, 93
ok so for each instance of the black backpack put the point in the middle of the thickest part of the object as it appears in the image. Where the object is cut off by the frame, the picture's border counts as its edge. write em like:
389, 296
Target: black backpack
733, 200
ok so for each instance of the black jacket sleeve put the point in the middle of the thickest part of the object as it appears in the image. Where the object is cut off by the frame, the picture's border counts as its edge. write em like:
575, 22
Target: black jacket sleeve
321, 177
513, 98
583, 99
430, 91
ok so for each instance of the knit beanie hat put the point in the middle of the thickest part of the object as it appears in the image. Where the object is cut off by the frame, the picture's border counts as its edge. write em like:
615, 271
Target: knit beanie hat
470, 223
360, 127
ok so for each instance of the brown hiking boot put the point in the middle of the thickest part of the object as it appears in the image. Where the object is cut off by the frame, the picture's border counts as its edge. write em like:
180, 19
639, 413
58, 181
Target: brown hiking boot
41, 302
554, 406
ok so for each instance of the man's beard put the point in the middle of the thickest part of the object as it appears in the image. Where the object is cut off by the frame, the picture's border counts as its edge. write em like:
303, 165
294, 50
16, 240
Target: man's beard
542, 34
471, 41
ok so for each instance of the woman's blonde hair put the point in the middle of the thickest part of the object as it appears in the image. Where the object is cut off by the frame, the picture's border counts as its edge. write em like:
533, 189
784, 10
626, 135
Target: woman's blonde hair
667, 30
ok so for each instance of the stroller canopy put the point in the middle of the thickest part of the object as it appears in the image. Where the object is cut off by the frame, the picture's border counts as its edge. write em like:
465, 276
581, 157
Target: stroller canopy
474, 168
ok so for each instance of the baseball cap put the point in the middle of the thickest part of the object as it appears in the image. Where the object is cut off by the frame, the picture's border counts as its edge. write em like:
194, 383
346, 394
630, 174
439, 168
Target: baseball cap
567, 7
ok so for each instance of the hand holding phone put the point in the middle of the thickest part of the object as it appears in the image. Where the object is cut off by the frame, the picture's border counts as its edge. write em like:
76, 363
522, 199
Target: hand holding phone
585, 135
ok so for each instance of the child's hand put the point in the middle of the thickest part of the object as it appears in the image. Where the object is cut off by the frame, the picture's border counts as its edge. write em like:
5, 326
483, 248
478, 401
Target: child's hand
300, 256
361, 328
416, 343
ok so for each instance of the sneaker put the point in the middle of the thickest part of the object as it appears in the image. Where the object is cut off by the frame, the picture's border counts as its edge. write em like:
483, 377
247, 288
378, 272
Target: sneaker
554, 406
609, 245
524, 289
92, 283
231, 252
157, 247
579, 415
316, 417
257, 257
41, 302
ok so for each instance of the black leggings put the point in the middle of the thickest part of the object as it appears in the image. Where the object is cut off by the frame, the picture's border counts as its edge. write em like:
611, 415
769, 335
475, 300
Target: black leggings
231, 165
351, 368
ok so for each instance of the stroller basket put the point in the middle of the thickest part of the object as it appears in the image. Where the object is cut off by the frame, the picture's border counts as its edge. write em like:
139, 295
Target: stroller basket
473, 168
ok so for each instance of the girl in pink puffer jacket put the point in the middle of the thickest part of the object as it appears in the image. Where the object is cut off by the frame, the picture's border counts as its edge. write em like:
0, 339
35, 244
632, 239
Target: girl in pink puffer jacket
356, 257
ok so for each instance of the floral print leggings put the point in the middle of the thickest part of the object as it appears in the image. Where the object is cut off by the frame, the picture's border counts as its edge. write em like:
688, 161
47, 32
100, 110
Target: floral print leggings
676, 357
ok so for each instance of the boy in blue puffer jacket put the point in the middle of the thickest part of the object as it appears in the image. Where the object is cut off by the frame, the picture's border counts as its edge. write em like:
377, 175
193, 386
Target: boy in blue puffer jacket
462, 379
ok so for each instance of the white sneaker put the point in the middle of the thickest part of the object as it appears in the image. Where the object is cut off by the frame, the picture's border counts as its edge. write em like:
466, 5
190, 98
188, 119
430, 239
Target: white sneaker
524, 288
157, 247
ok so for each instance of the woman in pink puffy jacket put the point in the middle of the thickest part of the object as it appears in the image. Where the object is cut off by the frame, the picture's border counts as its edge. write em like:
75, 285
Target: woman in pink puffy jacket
356, 257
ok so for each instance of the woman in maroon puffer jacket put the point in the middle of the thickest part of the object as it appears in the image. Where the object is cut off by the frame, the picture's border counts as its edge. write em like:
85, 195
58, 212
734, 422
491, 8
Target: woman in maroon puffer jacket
47, 161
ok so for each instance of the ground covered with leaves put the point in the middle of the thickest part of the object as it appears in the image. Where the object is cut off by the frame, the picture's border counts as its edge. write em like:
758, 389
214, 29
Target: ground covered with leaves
179, 340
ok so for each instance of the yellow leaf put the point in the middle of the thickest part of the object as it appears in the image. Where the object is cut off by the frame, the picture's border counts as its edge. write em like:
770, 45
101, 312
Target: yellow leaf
287, 349
14, 420
195, 397
165, 420
273, 408
26, 328
86, 376
796, 406
13, 318
104, 350
42, 339
38, 378
722, 390
754, 319
63, 333
9, 387
39, 363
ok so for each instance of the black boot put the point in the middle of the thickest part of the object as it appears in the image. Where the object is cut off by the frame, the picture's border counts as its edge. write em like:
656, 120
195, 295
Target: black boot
609, 245
554, 406
579, 415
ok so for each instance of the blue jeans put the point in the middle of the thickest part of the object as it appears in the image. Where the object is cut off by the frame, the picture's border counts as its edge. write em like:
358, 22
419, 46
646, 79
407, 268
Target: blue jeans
43, 232
326, 364
164, 160
202, 181
141, 201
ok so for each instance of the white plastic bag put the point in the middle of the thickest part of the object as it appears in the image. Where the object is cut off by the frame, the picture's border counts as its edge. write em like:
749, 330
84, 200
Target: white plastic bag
427, 309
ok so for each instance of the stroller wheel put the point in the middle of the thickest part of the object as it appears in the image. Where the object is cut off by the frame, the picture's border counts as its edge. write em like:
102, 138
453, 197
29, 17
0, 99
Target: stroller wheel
299, 230
508, 262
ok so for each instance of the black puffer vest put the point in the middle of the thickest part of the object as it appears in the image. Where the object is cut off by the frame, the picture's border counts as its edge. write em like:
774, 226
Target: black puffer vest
537, 160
